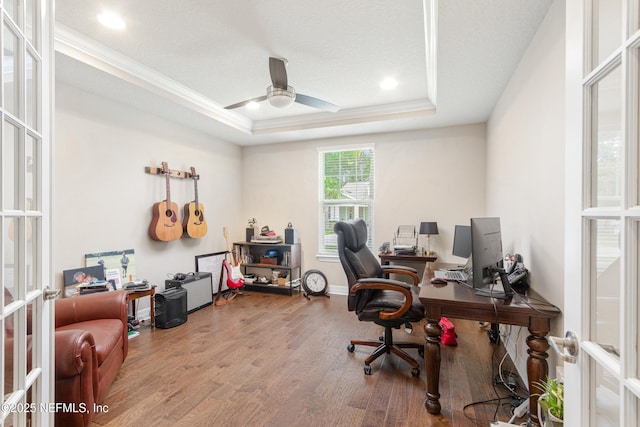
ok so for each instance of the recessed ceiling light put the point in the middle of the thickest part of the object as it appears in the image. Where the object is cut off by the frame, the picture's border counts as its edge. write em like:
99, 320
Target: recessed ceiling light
111, 20
389, 83
253, 105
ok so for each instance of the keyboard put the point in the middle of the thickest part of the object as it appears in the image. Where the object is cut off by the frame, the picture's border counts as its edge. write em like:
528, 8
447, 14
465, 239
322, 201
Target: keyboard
457, 275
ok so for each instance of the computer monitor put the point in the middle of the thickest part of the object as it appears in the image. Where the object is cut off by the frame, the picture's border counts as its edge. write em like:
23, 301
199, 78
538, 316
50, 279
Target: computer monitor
462, 241
486, 250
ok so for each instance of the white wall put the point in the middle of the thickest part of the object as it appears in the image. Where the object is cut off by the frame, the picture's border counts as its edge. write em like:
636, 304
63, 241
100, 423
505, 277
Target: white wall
525, 151
103, 197
429, 175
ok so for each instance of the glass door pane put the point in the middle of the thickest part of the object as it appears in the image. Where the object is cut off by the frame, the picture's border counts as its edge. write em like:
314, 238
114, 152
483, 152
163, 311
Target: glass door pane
30, 22
10, 72
607, 28
605, 278
607, 155
31, 101
10, 170
607, 402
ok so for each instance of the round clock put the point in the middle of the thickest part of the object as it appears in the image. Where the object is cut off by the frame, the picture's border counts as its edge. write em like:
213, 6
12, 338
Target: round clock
315, 283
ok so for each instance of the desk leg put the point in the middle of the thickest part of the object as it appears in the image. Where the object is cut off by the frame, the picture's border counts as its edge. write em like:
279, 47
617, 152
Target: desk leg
537, 367
152, 304
432, 362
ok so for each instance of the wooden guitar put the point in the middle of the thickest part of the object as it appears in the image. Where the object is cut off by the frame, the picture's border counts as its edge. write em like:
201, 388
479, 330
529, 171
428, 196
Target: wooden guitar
193, 221
164, 223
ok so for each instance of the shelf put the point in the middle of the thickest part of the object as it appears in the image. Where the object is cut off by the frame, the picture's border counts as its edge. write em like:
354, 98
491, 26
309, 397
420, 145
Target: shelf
256, 251
271, 266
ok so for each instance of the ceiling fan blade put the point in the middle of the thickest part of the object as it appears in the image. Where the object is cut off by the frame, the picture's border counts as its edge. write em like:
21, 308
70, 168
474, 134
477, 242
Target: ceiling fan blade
243, 103
278, 71
316, 103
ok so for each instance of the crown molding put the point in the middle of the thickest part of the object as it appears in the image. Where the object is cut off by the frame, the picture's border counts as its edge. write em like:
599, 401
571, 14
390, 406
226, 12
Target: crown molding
89, 52
85, 50
401, 110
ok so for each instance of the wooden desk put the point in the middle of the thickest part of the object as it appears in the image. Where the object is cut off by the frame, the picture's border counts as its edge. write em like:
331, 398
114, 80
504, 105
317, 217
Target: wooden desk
386, 259
458, 301
132, 296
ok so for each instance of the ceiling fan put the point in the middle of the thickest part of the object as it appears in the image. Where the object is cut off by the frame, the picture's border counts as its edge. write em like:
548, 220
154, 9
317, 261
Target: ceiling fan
281, 95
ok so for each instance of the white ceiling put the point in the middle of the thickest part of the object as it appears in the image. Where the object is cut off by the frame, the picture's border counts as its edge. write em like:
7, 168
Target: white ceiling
186, 60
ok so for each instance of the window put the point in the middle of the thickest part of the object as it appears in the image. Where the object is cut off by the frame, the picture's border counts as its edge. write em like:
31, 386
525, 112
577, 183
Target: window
346, 191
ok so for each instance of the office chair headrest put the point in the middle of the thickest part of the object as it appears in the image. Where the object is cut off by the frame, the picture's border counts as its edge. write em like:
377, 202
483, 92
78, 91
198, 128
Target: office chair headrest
354, 233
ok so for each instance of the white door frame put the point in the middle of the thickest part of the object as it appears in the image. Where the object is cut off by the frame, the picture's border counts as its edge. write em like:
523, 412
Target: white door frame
26, 155
581, 212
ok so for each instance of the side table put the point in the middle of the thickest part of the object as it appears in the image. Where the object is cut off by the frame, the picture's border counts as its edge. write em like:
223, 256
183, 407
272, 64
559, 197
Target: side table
132, 296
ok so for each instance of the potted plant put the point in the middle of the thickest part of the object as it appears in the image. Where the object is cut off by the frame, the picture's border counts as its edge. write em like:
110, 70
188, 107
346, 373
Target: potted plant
551, 401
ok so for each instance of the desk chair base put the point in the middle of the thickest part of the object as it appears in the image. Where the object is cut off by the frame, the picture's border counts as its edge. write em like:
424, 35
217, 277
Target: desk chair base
388, 346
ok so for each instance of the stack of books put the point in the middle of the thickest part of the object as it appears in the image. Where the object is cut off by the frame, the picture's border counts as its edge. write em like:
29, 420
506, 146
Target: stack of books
138, 285
266, 239
93, 287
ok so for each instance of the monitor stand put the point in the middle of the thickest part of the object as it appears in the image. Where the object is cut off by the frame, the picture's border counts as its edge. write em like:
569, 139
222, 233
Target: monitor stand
505, 293
493, 293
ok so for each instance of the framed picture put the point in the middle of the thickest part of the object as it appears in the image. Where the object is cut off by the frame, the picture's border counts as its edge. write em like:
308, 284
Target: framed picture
72, 278
122, 260
212, 263
112, 276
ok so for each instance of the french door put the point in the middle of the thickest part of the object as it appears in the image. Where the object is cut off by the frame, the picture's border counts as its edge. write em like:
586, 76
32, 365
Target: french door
603, 211
26, 81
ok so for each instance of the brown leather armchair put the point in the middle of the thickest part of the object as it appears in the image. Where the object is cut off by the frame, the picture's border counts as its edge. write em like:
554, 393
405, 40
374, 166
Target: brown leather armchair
376, 298
91, 342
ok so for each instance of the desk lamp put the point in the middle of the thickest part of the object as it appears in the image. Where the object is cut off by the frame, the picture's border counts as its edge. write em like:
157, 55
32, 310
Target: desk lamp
429, 229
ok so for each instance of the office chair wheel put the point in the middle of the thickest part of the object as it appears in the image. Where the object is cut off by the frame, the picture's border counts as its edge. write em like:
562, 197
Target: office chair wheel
351, 348
415, 372
368, 370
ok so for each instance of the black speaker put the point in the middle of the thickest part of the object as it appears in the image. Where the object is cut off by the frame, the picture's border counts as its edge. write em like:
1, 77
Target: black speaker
171, 308
249, 236
290, 236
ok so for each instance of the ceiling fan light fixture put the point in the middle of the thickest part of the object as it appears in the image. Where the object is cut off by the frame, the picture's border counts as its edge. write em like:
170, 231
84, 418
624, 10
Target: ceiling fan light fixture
281, 98
253, 105
112, 20
389, 83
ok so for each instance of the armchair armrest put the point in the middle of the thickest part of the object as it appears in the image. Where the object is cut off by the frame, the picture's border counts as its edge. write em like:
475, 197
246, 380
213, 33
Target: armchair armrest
74, 353
76, 375
389, 285
400, 269
101, 305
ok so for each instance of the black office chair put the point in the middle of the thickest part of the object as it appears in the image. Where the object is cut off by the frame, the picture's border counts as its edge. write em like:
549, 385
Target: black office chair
376, 298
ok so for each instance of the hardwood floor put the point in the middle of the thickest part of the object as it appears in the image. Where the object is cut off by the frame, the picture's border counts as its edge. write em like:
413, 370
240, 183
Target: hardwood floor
274, 360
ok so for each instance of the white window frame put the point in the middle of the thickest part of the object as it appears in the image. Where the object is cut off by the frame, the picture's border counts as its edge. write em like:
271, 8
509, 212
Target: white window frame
323, 252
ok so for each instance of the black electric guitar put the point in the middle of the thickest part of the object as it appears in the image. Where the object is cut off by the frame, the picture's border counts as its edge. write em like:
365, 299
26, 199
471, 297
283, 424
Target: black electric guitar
193, 221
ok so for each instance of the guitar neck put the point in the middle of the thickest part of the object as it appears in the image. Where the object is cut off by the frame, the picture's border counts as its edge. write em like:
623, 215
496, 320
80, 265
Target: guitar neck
168, 189
229, 248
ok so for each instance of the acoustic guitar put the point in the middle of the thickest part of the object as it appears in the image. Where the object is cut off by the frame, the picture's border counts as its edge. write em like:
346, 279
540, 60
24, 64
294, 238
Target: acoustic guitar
164, 223
193, 221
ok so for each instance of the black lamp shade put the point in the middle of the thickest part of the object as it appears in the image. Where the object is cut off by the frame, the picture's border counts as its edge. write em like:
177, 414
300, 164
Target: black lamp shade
429, 228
